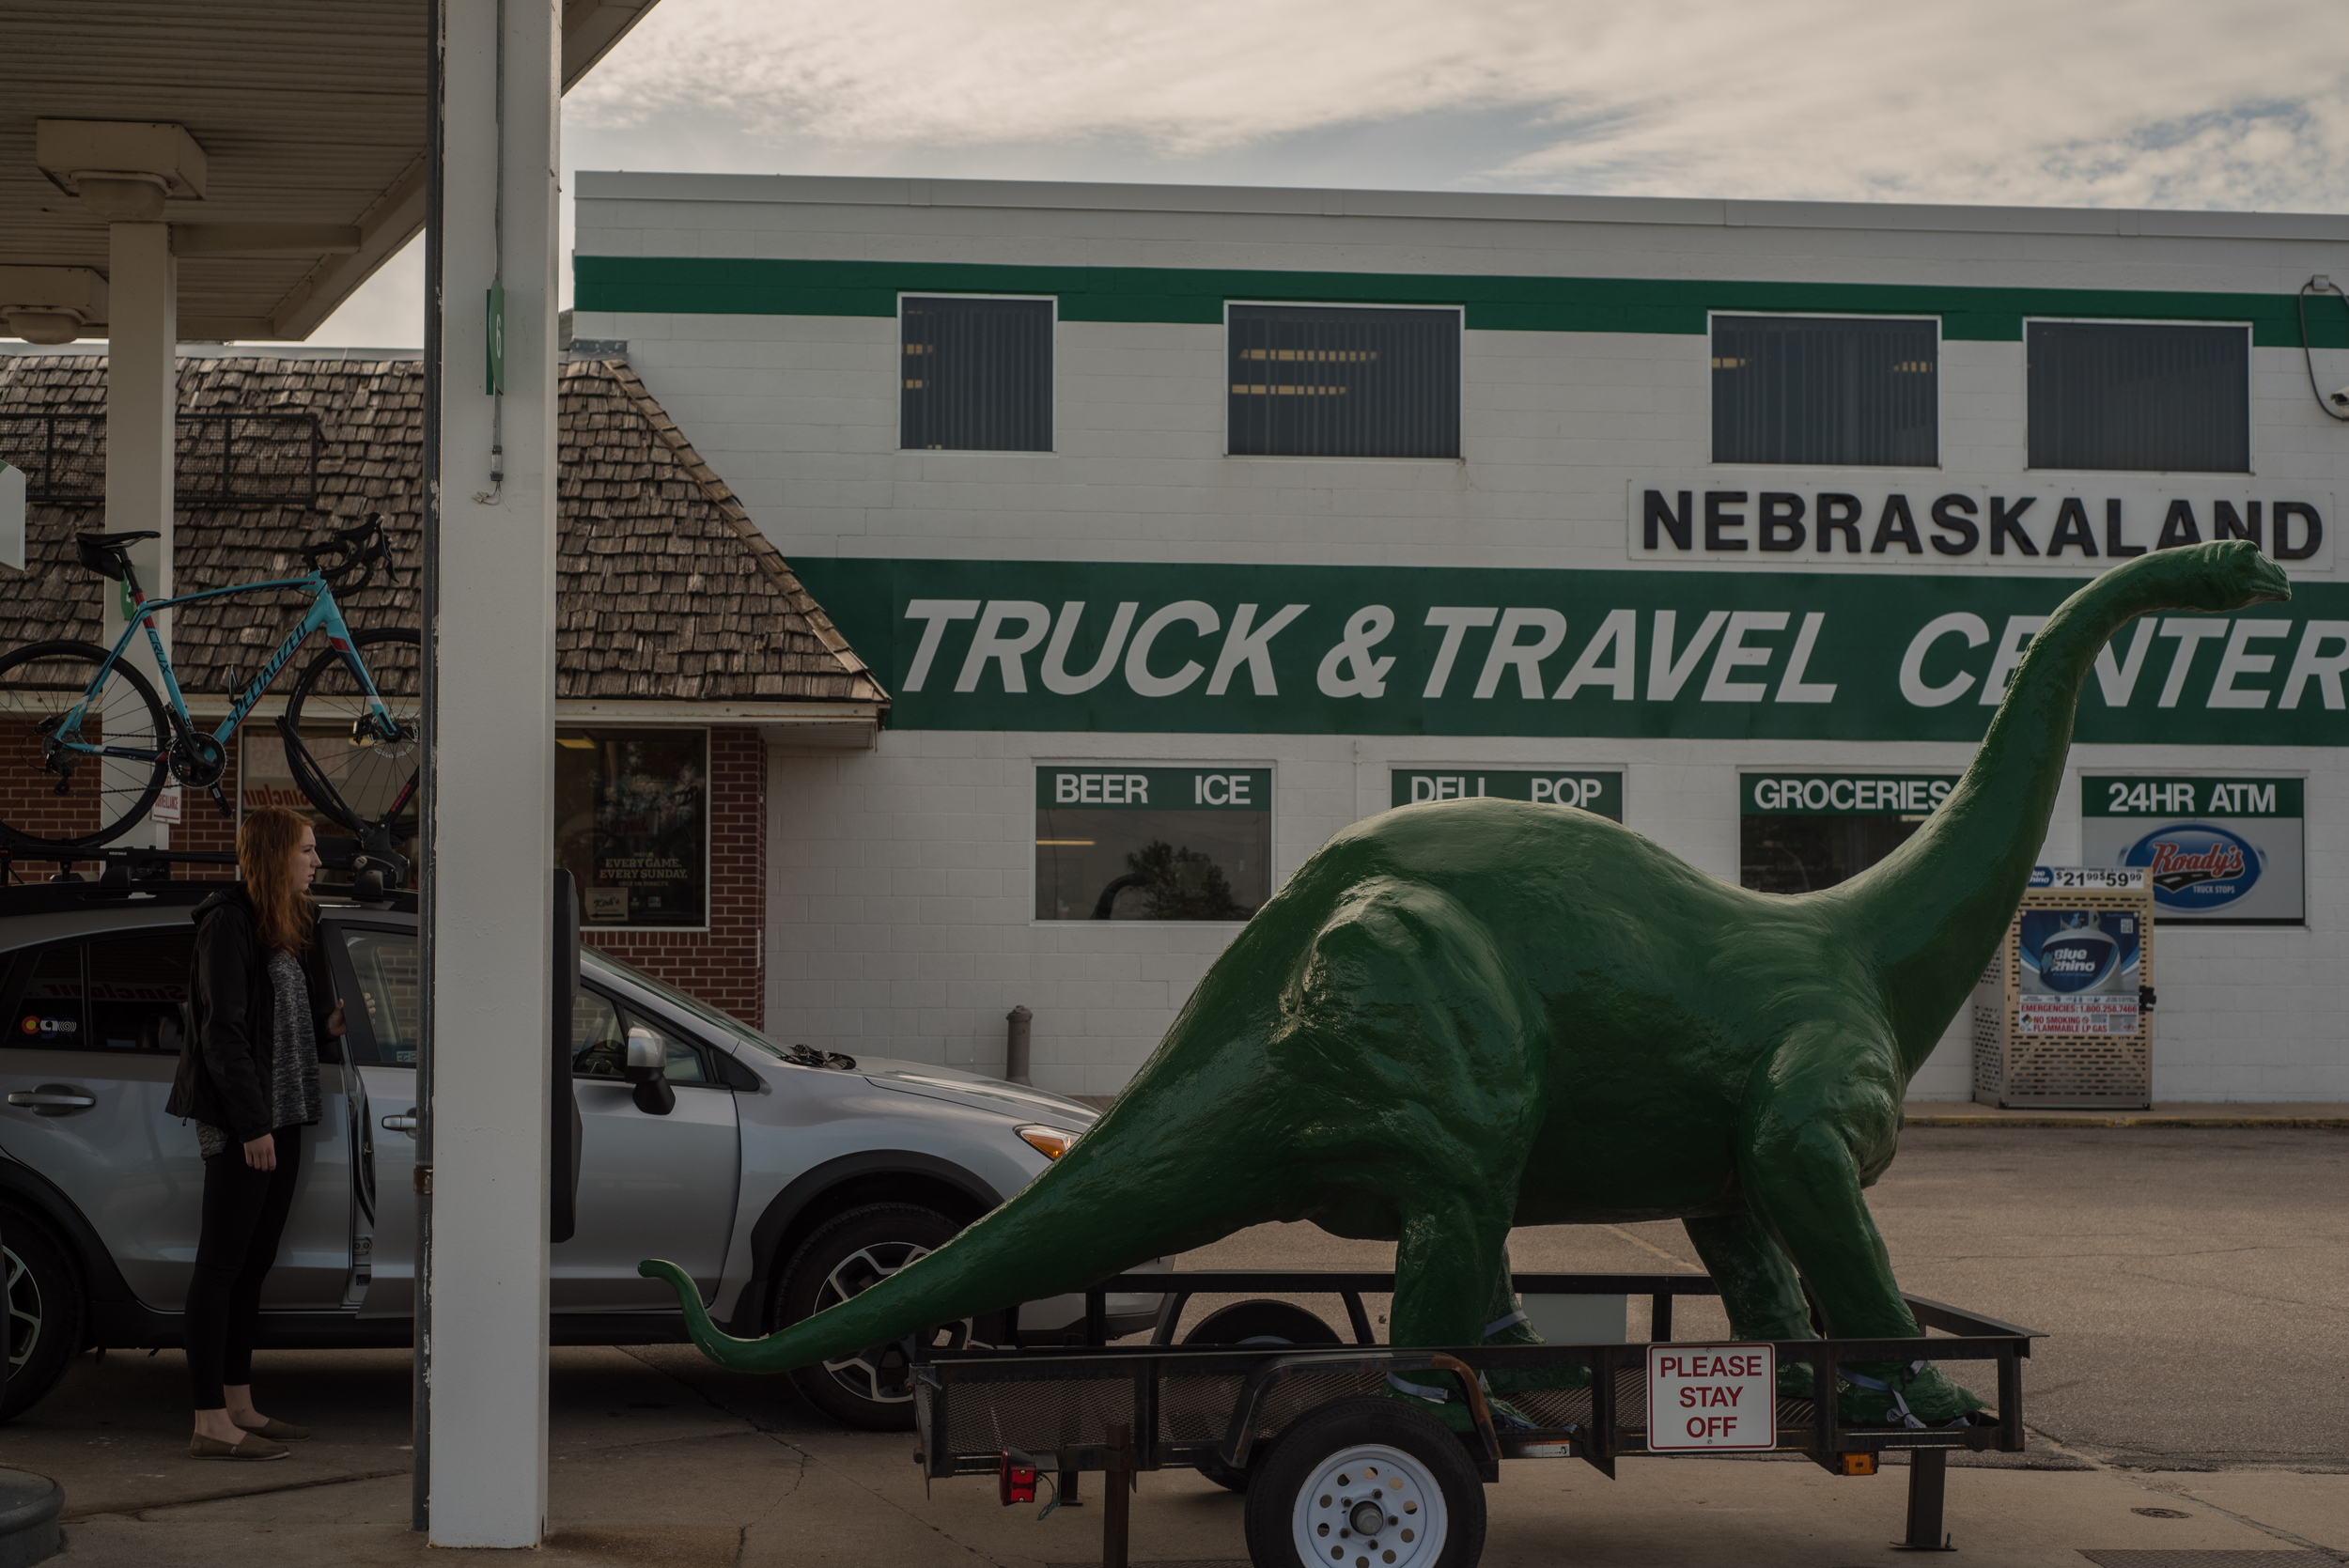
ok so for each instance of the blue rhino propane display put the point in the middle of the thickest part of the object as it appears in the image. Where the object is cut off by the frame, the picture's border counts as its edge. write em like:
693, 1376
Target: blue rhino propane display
2078, 971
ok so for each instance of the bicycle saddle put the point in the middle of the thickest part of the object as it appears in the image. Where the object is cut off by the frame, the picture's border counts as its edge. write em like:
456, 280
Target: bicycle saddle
103, 552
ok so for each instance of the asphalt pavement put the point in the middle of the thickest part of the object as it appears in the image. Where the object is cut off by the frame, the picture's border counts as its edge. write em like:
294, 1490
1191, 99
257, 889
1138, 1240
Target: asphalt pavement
2189, 1396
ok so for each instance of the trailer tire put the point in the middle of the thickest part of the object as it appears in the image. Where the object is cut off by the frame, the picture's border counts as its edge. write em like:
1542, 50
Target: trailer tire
1317, 1486
1255, 1322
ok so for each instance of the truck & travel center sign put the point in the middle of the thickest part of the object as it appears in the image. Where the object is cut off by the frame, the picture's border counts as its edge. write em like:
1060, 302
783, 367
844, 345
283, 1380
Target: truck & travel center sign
1216, 648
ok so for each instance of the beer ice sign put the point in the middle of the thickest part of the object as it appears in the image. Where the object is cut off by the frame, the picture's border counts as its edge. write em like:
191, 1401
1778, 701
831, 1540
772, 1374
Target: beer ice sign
1721, 1398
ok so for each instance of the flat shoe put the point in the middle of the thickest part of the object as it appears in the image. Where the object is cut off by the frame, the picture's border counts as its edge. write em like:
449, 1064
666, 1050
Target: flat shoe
279, 1432
251, 1446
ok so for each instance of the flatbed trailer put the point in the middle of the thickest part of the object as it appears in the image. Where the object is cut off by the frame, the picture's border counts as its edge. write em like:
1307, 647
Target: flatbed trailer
1241, 1412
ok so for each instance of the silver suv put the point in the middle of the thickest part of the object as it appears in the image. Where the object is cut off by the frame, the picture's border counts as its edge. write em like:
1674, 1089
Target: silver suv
782, 1179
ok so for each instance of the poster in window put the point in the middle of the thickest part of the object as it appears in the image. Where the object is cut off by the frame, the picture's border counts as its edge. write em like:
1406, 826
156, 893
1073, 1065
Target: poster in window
631, 812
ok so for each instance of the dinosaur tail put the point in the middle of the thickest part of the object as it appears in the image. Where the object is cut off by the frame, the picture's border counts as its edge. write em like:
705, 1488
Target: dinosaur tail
1139, 1184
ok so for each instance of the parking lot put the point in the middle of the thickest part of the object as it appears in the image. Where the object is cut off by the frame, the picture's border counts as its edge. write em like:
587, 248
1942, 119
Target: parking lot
2192, 1284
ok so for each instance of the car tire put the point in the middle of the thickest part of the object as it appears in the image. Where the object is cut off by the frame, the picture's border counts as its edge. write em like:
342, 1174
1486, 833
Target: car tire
1255, 1322
869, 1388
1333, 1461
45, 1308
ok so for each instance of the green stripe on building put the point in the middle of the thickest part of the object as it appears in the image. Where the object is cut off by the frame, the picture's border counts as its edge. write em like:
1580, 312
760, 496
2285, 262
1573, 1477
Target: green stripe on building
690, 285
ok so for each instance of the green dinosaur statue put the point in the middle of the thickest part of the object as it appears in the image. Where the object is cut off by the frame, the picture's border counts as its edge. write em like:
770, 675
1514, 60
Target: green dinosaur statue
1469, 1014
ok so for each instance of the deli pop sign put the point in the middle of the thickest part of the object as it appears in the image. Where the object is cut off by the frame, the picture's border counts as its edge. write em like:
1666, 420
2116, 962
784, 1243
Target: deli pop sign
1720, 1398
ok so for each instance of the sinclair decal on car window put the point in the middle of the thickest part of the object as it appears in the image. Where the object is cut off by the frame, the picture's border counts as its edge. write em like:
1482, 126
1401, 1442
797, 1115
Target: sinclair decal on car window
2221, 850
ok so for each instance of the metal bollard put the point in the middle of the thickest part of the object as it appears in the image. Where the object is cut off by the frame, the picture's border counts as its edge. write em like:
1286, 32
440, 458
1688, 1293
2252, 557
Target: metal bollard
1015, 1045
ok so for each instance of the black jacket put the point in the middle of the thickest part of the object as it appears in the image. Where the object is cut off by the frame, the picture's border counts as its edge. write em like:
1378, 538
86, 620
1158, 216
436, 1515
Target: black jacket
225, 1069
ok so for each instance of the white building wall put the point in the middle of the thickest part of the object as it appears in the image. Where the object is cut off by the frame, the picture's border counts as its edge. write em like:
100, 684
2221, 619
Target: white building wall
903, 876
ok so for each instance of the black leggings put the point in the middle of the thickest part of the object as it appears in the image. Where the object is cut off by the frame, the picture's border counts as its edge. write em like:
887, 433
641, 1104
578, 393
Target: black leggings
244, 1219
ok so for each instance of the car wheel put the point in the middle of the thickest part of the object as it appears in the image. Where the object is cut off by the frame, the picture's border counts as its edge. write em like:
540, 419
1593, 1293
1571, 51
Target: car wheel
44, 1307
1365, 1483
869, 1388
1255, 1322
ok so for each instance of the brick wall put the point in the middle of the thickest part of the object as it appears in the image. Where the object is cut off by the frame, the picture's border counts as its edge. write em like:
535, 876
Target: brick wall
721, 966
28, 800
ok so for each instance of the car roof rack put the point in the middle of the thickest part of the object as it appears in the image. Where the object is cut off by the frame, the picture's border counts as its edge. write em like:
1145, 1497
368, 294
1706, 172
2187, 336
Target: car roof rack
118, 866
376, 872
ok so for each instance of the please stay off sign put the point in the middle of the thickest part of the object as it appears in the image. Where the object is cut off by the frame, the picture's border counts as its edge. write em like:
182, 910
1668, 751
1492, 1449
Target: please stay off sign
1720, 1397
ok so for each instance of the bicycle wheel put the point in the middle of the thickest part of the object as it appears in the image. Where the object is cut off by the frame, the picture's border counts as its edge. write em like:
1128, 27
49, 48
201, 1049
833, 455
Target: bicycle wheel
367, 781
53, 798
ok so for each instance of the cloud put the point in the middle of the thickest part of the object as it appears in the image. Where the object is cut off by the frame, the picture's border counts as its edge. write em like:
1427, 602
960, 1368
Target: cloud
2174, 103
2016, 100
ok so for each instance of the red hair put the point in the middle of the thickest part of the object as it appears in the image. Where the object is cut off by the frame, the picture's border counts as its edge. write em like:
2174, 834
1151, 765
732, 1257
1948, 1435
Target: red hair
283, 914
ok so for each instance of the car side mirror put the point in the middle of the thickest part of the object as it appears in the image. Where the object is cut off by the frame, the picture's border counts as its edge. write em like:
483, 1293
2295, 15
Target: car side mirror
647, 1069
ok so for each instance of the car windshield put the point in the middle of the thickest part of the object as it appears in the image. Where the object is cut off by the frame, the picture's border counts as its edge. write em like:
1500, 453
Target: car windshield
700, 1009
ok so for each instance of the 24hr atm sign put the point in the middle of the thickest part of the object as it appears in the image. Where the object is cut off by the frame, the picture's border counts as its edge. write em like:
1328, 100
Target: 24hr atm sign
1391, 651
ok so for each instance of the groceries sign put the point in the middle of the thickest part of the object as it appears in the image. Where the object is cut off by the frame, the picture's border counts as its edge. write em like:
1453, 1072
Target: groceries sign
1213, 648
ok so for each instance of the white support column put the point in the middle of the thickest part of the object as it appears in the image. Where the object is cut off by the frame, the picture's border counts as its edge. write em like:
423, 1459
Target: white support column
141, 407
492, 838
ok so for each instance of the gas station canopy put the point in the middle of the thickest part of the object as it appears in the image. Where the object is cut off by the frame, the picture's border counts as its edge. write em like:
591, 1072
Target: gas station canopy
285, 139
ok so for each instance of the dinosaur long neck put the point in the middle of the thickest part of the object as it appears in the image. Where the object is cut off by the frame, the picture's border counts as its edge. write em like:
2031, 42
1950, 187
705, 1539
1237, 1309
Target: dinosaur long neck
1934, 910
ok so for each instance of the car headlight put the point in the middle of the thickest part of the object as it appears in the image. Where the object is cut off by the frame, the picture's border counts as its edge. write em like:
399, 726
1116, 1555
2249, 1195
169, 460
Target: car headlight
1048, 1142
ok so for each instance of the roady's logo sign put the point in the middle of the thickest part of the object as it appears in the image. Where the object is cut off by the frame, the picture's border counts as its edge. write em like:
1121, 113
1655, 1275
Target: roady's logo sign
2196, 865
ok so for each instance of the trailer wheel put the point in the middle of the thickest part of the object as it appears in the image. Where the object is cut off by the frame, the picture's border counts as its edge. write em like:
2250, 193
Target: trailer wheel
1261, 1322
1365, 1483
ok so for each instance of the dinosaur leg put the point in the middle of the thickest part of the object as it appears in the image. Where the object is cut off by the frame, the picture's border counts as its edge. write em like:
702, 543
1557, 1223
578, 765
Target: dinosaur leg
1453, 1246
1830, 1098
1505, 1323
1759, 1287
1419, 1054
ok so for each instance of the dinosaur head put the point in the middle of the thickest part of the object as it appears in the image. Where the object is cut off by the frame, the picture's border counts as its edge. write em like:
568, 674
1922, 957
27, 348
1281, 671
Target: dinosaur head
2229, 575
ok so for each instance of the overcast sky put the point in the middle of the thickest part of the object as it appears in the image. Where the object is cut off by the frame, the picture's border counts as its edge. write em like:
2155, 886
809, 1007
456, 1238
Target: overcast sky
2178, 104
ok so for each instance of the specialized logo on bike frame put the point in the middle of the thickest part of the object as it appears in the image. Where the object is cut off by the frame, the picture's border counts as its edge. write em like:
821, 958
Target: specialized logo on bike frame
2196, 865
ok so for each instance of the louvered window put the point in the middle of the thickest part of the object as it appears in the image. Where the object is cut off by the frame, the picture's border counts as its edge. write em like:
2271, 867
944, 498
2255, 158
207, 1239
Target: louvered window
977, 375
1831, 391
2140, 397
1323, 382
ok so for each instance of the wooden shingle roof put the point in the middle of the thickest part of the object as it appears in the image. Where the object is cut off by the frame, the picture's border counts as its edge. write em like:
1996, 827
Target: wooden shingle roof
666, 591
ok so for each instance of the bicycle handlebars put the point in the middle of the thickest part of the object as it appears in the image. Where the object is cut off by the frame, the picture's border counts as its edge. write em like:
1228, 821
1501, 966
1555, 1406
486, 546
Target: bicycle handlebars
359, 550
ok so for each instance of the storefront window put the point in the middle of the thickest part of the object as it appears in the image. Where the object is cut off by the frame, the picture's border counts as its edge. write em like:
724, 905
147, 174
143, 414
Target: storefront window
1152, 843
1599, 790
631, 823
1798, 832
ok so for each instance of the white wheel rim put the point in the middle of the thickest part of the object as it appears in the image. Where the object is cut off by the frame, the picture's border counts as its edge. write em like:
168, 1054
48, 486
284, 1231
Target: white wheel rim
1412, 1517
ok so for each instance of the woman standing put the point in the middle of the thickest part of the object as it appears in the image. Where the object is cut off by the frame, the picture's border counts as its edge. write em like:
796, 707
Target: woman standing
250, 1078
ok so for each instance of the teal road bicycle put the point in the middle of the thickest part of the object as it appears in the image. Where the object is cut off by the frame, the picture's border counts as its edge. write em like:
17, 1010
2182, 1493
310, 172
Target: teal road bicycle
86, 746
